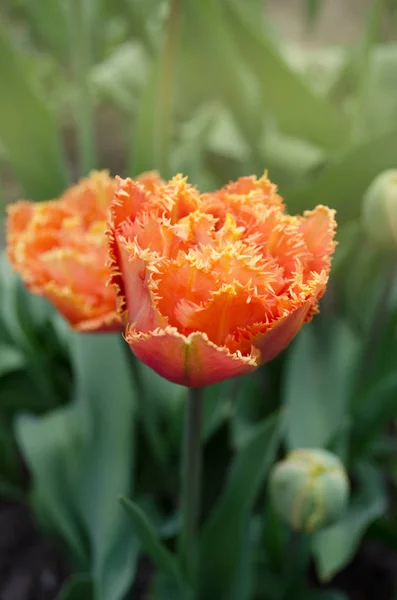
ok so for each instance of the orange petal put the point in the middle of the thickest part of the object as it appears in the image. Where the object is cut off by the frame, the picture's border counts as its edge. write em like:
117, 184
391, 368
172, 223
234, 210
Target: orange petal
177, 198
86, 274
156, 234
318, 229
230, 307
19, 216
193, 361
105, 323
273, 337
260, 189
90, 197
183, 279
150, 180
127, 200
137, 266
281, 333
74, 307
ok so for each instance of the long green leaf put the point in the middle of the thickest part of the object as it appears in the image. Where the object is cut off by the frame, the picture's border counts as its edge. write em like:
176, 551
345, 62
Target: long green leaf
106, 395
216, 71
145, 143
310, 117
224, 535
28, 132
316, 383
151, 544
342, 183
376, 408
81, 459
50, 445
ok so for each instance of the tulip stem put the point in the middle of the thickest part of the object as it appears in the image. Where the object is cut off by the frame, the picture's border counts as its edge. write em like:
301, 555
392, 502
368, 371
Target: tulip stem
297, 558
191, 480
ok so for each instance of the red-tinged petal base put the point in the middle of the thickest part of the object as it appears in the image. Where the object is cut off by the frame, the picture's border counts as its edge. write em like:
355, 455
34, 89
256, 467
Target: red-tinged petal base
276, 339
193, 361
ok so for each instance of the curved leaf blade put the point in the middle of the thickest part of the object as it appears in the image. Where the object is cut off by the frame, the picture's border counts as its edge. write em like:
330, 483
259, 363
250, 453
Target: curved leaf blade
160, 555
224, 535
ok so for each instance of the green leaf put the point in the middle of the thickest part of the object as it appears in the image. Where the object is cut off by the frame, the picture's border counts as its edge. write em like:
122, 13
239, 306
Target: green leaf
78, 587
224, 534
50, 445
313, 118
334, 547
26, 320
216, 71
144, 21
81, 459
362, 282
289, 159
11, 359
217, 406
376, 408
106, 395
46, 19
382, 93
349, 238
342, 183
316, 383
165, 587
164, 405
145, 147
33, 150
151, 544
121, 76
249, 403
189, 155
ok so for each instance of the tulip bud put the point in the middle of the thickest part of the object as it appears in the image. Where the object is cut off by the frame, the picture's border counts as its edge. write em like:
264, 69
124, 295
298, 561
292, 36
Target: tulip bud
379, 210
309, 489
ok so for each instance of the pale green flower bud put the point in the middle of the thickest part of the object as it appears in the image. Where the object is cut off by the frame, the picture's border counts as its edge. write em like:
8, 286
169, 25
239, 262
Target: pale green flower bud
309, 489
379, 210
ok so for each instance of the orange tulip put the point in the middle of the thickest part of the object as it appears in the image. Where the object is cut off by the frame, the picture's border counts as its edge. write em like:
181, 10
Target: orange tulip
214, 285
59, 249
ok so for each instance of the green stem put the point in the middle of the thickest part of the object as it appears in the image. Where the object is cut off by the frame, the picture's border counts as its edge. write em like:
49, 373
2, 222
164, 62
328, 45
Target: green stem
191, 481
296, 563
166, 86
80, 34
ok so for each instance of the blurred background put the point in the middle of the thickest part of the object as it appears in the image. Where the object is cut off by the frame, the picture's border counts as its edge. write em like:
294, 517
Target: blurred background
80, 86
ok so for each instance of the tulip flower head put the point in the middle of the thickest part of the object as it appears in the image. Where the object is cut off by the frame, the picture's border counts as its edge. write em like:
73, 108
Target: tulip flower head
211, 286
59, 248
